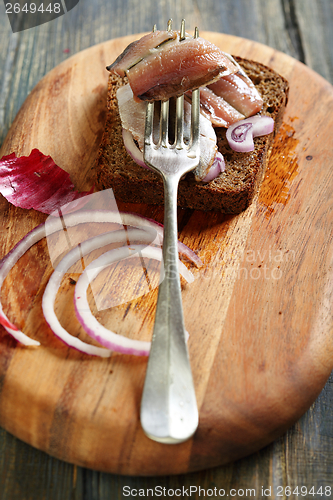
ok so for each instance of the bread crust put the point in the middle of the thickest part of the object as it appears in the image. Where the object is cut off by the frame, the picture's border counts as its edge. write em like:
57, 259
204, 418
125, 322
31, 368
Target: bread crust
231, 192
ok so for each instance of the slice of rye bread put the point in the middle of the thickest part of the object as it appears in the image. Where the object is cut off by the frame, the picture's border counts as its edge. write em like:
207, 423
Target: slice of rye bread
231, 192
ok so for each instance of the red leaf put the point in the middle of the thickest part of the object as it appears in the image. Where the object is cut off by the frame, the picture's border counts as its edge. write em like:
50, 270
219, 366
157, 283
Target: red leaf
35, 181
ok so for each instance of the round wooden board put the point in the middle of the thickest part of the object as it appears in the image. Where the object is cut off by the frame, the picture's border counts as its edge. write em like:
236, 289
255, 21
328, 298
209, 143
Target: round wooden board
259, 312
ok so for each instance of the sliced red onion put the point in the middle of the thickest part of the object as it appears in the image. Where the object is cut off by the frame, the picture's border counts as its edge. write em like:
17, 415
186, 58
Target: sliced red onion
132, 116
240, 135
97, 331
55, 224
35, 181
127, 219
217, 167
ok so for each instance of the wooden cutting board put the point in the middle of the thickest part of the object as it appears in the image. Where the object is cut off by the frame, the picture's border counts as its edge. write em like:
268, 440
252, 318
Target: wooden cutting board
259, 312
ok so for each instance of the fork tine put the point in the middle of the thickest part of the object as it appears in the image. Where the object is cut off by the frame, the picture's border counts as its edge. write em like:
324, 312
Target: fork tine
164, 123
179, 121
149, 123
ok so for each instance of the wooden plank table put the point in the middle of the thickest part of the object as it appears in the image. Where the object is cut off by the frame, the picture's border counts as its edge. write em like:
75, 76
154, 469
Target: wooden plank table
300, 28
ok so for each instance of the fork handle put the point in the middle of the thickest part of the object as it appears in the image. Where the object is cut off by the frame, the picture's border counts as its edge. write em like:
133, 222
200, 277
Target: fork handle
169, 411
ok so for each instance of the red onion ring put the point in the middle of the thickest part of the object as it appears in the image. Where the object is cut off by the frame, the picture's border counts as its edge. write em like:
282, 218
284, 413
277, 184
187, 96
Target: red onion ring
215, 170
35, 181
53, 225
240, 135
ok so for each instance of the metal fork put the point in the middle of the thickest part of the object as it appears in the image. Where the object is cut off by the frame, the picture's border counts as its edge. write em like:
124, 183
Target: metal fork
169, 412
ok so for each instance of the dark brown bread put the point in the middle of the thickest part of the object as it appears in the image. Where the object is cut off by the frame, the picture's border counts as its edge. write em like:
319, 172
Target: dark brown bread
231, 192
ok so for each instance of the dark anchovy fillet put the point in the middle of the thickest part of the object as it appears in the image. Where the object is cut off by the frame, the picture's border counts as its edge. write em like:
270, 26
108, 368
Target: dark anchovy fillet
217, 109
138, 50
239, 91
170, 69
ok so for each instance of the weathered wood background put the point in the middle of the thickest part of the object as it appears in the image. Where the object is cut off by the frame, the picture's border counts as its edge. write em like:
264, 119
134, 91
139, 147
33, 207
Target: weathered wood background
300, 28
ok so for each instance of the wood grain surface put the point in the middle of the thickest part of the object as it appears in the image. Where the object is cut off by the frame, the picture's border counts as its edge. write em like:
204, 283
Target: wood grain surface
260, 343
